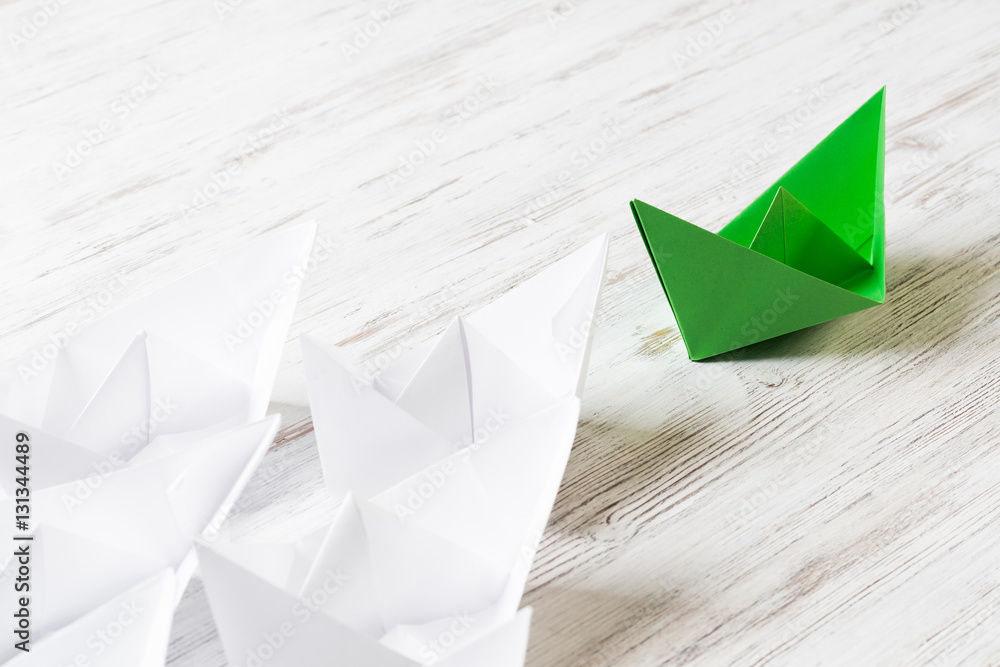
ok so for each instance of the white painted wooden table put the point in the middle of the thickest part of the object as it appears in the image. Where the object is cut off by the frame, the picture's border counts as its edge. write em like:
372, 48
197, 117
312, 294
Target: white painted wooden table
831, 497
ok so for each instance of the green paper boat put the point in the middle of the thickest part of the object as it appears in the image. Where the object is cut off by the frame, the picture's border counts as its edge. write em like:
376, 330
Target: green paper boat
808, 250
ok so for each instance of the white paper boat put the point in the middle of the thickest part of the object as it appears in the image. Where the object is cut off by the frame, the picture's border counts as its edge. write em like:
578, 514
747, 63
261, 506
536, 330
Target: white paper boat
447, 466
144, 427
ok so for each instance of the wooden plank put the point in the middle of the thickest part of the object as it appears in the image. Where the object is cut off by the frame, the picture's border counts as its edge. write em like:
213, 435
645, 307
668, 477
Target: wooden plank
829, 497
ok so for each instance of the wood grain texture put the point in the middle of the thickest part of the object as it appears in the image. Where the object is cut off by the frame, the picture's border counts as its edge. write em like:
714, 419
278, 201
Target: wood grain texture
831, 497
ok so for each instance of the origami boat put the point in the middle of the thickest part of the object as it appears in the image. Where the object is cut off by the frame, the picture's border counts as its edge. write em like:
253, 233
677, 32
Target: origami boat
143, 428
811, 248
446, 467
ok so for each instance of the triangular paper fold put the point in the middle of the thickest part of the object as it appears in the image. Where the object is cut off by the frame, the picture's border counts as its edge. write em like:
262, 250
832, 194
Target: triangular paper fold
233, 314
811, 248
144, 426
440, 392
545, 324
446, 467
71, 575
504, 647
254, 617
792, 235
130, 630
366, 441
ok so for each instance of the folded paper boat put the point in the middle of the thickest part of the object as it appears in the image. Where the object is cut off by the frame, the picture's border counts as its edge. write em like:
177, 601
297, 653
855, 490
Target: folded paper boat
144, 426
810, 249
446, 467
